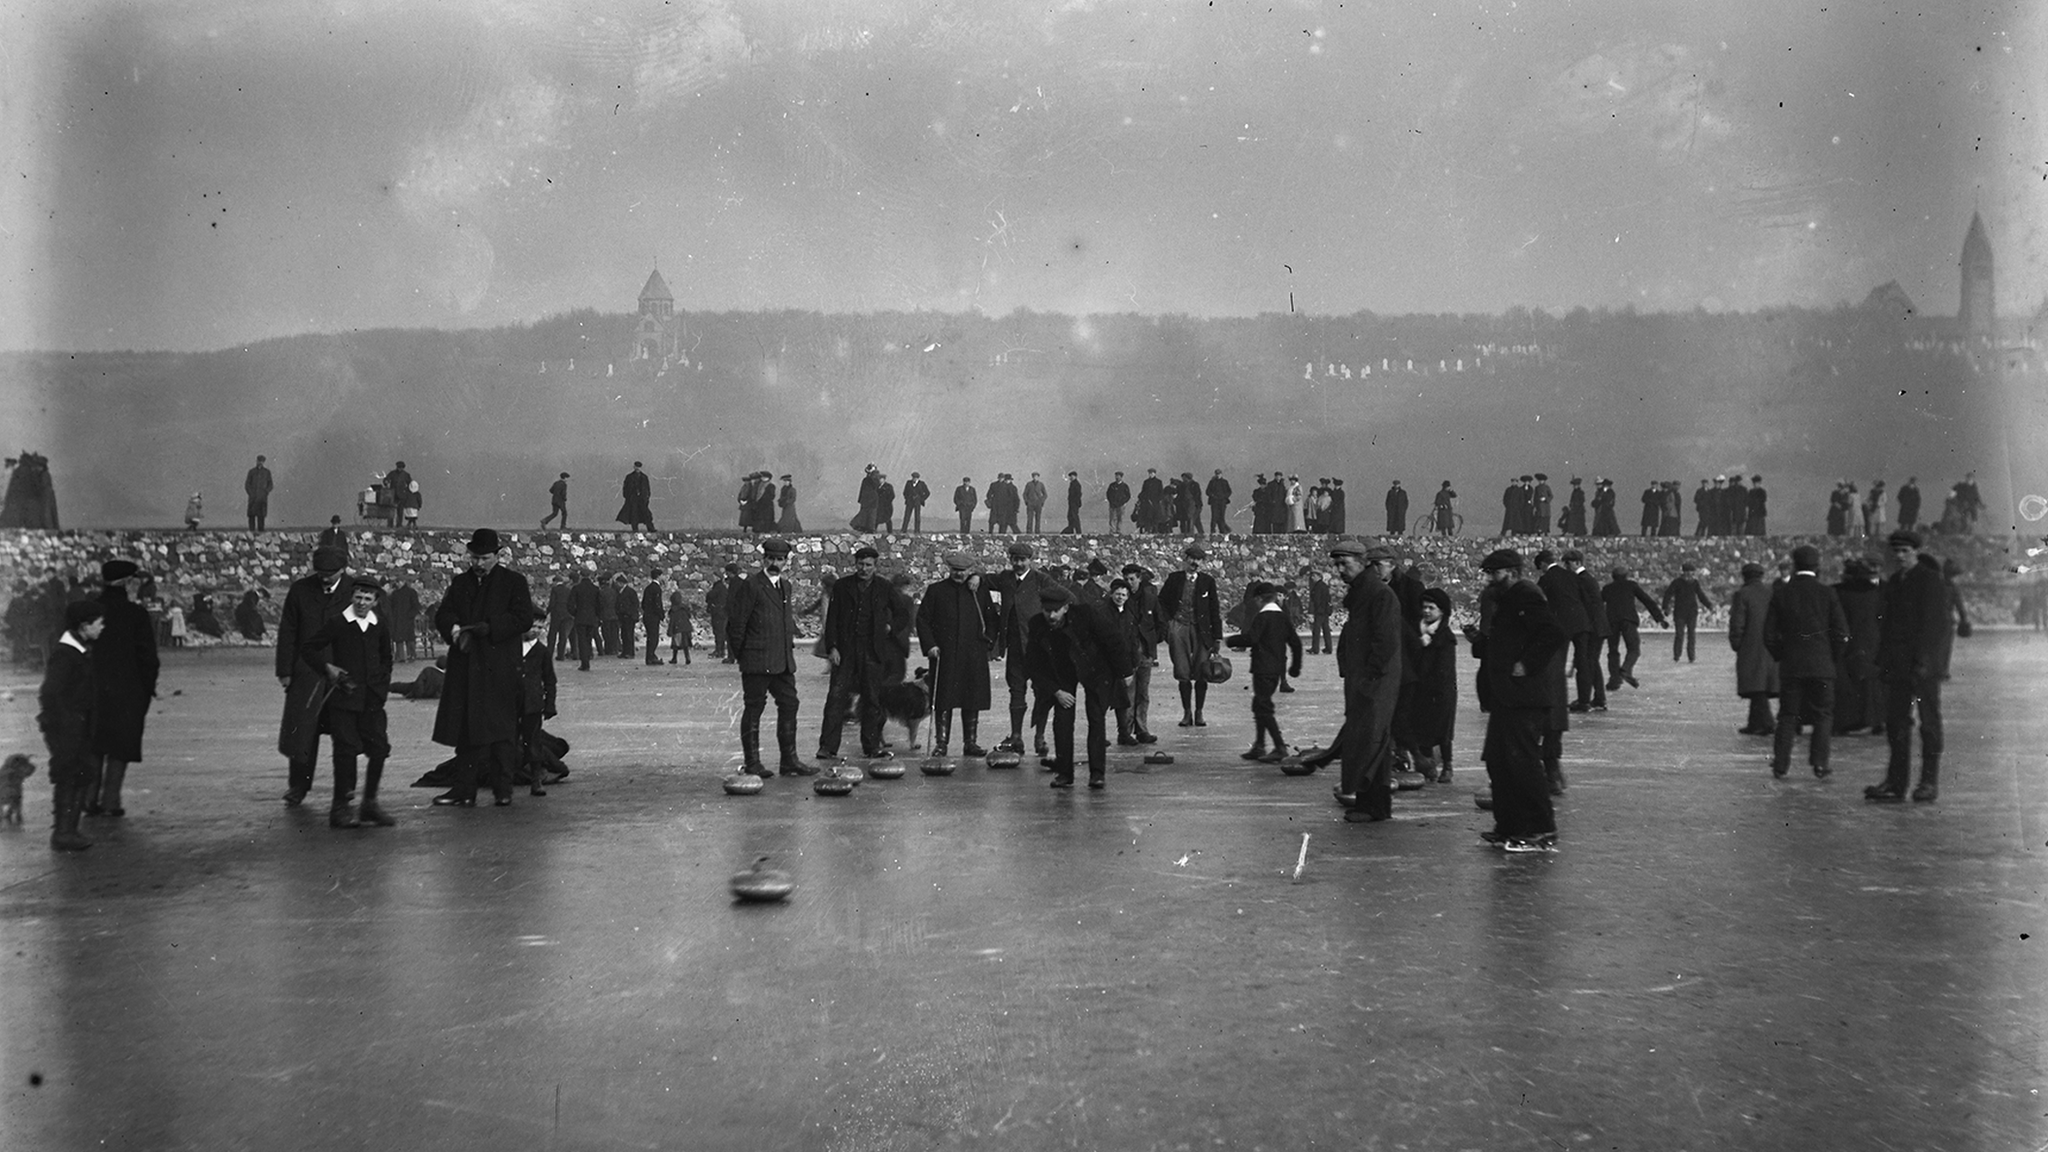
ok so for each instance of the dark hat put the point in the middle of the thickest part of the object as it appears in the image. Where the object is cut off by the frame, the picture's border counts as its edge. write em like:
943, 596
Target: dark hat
1806, 558
637, 464
1380, 552
1576, 481
732, 568
915, 475
1097, 568
784, 476
1621, 573
654, 571
960, 560
401, 463
1052, 596
1348, 547
1541, 476
1857, 566
1438, 597
1501, 558
1195, 552
1752, 570
1905, 536
260, 458
1261, 588
1571, 554
775, 546
334, 519
1021, 551
484, 541
79, 613
866, 552
329, 559
1544, 557
1688, 566
366, 582
114, 570
1119, 583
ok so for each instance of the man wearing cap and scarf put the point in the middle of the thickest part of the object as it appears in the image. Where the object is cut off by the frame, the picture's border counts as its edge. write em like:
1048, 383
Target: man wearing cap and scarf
124, 669
1369, 660
308, 604
1805, 630
1194, 627
636, 491
955, 623
1520, 641
353, 651
1017, 594
761, 633
1074, 649
867, 642
1913, 647
482, 619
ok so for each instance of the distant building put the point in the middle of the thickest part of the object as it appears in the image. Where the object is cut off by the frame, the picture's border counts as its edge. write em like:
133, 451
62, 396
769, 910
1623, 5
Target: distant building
1978, 311
658, 335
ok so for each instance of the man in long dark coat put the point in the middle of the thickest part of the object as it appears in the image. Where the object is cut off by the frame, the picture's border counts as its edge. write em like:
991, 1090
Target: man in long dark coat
1859, 697
308, 604
1151, 502
867, 643
124, 668
1218, 492
653, 609
1073, 527
257, 485
1333, 518
1117, 495
716, 599
586, 609
955, 623
637, 493
761, 630
915, 494
1193, 612
1018, 592
1397, 509
403, 605
1369, 660
483, 618
1805, 631
1520, 641
561, 619
965, 500
1757, 519
1913, 648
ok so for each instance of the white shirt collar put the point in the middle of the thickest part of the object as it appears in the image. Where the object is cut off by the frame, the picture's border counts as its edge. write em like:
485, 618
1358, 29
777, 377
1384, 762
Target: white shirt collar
364, 621
526, 646
74, 641
1271, 608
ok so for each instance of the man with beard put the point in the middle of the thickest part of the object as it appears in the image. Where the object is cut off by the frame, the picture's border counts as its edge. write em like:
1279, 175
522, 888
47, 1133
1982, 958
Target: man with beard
310, 602
1034, 505
915, 494
1805, 631
955, 623
965, 500
1397, 509
761, 630
483, 619
1913, 648
1018, 594
636, 492
257, 485
1076, 653
1519, 641
1194, 626
1118, 495
1073, 527
1218, 492
867, 642
124, 672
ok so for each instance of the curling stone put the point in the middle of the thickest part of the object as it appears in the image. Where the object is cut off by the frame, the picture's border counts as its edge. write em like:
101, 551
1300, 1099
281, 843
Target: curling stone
762, 884
831, 783
887, 770
935, 766
1483, 799
1005, 758
1409, 781
743, 784
853, 772
1296, 766
1158, 757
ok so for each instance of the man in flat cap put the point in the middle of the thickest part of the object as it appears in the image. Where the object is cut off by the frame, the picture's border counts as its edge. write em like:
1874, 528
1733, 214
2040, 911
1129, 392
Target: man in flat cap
1369, 660
1077, 655
1913, 647
1519, 641
956, 623
1016, 594
482, 619
124, 670
867, 642
558, 502
310, 602
761, 634
1194, 627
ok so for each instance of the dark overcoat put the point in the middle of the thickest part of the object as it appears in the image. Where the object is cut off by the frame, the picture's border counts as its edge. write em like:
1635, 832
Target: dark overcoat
308, 605
363, 653
1560, 586
1369, 644
882, 641
1918, 633
1433, 704
404, 606
958, 621
636, 494
124, 668
761, 626
1805, 628
1523, 630
1862, 611
480, 697
1755, 671
586, 604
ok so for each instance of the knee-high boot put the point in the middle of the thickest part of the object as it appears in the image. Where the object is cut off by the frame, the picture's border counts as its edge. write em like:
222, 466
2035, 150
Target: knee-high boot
970, 725
369, 811
1930, 779
110, 786
1201, 694
942, 731
67, 802
1187, 704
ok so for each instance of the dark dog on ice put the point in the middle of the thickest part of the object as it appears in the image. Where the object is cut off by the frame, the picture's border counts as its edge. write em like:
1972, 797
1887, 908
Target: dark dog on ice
907, 703
17, 769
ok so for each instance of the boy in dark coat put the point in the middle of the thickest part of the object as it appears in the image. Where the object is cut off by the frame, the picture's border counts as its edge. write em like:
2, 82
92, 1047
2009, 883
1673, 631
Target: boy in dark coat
1619, 599
1275, 650
65, 718
353, 652
536, 701
1433, 703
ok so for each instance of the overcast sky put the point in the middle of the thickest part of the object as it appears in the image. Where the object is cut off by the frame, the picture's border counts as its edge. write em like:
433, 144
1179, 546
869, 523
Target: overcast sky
200, 173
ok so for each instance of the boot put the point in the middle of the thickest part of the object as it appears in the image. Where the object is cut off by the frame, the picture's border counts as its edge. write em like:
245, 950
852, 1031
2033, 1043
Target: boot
1254, 753
110, 787
66, 803
1930, 780
942, 732
1555, 772
1201, 697
970, 723
369, 812
342, 815
750, 750
1187, 705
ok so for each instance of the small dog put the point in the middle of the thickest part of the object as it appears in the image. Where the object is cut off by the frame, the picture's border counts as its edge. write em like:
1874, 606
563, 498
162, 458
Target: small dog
908, 703
17, 768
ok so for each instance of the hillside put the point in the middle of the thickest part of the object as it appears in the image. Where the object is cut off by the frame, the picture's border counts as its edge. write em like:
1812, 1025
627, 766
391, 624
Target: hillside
485, 418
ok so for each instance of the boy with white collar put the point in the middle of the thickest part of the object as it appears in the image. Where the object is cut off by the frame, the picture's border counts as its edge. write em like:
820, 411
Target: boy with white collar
354, 651
537, 696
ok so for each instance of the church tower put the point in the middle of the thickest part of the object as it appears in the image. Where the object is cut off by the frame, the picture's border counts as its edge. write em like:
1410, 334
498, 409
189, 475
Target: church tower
1978, 314
658, 334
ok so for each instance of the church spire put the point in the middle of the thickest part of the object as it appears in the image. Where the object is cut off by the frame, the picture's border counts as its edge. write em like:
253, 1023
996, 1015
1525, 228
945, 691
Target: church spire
1978, 310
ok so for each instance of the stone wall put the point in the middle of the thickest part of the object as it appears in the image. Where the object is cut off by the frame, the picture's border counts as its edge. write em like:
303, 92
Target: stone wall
224, 564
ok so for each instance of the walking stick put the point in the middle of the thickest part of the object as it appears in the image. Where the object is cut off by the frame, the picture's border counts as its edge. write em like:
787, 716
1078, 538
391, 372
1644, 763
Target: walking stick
933, 763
